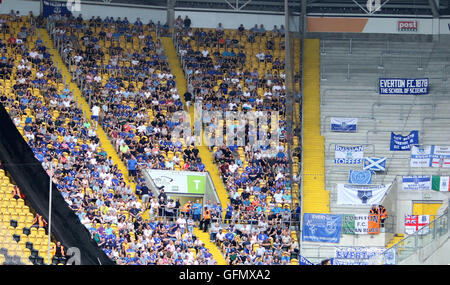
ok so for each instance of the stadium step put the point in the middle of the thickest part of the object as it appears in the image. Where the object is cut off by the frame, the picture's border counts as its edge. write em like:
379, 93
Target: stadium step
315, 197
396, 239
104, 140
204, 153
177, 71
205, 238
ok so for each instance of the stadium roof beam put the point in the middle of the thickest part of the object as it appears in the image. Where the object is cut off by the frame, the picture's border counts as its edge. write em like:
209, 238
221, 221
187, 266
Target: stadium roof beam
237, 7
434, 8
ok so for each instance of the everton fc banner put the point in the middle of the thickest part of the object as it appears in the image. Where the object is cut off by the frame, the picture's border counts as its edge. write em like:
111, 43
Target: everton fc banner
345, 125
403, 143
362, 256
430, 156
61, 8
322, 228
416, 182
360, 177
403, 86
348, 155
359, 195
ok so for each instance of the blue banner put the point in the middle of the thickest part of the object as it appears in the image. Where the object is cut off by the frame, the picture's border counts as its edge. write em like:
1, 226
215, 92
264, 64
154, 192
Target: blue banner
346, 125
403, 86
303, 261
360, 177
374, 163
404, 143
57, 7
322, 227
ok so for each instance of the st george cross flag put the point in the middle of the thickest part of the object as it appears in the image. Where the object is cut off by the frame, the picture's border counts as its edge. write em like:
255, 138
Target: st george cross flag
440, 156
374, 163
360, 177
440, 183
414, 223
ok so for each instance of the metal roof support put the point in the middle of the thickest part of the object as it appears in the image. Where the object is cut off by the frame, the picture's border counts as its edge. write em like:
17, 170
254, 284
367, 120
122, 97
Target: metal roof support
434, 8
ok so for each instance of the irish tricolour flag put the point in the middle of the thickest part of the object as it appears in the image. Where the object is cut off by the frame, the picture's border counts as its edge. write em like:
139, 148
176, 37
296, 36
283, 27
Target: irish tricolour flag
440, 183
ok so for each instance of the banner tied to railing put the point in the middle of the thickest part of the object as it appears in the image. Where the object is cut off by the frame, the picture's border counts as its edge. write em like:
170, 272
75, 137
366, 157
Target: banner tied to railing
322, 227
404, 143
348, 154
349, 194
363, 256
430, 156
403, 86
346, 125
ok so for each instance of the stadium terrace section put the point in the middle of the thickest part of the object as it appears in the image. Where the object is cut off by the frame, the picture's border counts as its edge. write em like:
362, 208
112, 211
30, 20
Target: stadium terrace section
242, 71
44, 110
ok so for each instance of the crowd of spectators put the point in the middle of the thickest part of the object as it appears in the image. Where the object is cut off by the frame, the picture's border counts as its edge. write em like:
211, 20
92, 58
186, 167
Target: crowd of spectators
227, 73
66, 144
126, 78
132, 89
223, 78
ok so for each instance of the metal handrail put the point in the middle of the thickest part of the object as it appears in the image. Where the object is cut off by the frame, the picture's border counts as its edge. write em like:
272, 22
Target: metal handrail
379, 131
400, 104
432, 119
364, 145
416, 236
325, 119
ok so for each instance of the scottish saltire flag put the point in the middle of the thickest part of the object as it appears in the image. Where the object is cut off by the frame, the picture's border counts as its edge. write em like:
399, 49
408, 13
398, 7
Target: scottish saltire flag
360, 177
347, 125
374, 163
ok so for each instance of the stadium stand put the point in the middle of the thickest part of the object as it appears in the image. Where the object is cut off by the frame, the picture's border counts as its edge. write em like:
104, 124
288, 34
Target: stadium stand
99, 99
83, 171
211, 61
24, 232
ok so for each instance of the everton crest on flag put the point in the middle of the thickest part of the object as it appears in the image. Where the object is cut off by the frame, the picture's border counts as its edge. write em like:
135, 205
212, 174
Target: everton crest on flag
360, 177
374, 163
347, 125
350, 194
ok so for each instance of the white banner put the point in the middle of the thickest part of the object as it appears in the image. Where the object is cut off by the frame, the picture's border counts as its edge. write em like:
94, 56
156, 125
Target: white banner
348, 155
414, 223
349, 194
346, 125
416, 182
440, 156
362, 255
420, 156
361, 224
